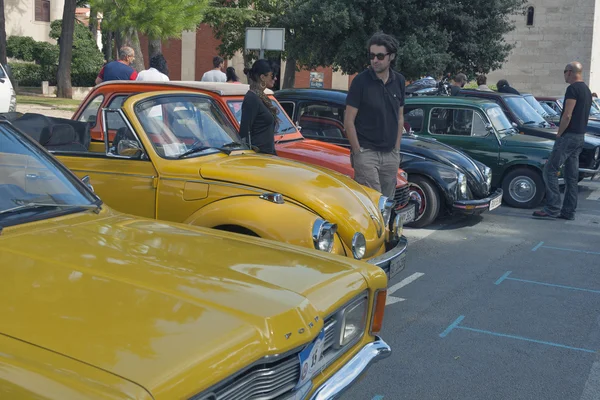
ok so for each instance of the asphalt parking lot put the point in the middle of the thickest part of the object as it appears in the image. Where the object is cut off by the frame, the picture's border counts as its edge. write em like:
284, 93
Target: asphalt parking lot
501, 306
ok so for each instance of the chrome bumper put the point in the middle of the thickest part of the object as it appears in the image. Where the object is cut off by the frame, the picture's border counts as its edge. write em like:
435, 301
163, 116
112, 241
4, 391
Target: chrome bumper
476, 206
349, 373
589, 171
394, 260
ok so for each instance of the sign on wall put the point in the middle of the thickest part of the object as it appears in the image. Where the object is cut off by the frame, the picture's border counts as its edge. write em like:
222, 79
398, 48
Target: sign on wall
317, 79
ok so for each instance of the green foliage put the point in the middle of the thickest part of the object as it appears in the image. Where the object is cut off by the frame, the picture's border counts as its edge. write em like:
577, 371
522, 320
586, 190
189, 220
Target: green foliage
26, 74
158, 19
21, 47
87, 58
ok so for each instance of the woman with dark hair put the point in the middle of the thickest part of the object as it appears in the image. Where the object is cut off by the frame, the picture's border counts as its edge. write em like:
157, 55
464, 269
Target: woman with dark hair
158, 70
259, 115
231, 75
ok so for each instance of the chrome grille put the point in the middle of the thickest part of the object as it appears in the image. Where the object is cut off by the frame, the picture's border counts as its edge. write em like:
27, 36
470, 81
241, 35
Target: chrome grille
401, 196
329, 334
264, 381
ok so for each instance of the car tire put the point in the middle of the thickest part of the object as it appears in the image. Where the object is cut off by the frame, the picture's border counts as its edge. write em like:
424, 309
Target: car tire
430, 197
523, 188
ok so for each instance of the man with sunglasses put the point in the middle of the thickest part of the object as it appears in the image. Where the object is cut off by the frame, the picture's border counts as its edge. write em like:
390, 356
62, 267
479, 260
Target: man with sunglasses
374, 117
569, 143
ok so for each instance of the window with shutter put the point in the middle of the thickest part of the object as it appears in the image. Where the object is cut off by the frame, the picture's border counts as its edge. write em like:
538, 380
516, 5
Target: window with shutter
42, 10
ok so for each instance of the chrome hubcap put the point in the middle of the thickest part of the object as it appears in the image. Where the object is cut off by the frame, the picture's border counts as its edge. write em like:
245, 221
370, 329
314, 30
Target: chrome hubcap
522, 189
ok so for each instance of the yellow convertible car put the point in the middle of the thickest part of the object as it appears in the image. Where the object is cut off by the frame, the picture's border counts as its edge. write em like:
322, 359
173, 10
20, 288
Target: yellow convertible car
174, 155
96, 304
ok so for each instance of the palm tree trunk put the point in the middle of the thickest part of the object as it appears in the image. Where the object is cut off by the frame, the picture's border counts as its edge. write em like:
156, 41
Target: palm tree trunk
2, 34
63, 76
154, 47
289, 79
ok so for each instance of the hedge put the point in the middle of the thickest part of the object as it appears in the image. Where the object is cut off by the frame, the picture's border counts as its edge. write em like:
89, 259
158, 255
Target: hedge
26, 74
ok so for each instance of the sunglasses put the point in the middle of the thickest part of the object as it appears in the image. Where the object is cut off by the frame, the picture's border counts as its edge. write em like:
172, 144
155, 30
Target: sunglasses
380, 56
567, 70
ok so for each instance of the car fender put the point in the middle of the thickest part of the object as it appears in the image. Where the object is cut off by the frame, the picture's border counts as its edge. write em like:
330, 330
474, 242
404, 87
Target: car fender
444, 177
282, 222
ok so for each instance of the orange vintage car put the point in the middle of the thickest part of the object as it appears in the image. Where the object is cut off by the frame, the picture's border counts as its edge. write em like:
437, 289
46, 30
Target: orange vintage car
289, 141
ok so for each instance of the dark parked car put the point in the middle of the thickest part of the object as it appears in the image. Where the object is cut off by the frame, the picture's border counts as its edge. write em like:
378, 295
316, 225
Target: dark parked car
556, 103
548, 114
441, 178
529, 122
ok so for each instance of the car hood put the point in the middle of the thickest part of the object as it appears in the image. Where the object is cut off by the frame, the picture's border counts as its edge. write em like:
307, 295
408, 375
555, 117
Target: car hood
591, 141
333, 196
517, 140
450, 156
164, 304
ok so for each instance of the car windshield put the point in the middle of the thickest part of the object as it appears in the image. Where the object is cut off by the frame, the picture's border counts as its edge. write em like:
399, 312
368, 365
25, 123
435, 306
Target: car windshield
594, 110
33, 185
549, 110
524, 112
499, 121
285, 125
176, 124
536, 105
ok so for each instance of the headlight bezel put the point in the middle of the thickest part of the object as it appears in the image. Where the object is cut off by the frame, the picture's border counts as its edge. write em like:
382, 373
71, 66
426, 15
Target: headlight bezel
321, 228
597, 153
398, 227
359, 240
341, 341
385, 208
462, 185
488, 176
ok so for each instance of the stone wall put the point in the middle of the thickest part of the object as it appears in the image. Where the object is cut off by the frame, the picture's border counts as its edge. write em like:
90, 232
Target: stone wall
561, 32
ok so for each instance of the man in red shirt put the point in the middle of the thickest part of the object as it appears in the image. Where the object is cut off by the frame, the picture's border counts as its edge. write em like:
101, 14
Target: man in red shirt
119, 70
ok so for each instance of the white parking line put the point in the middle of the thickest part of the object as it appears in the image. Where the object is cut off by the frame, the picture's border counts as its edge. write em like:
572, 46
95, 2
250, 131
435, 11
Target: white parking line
595, 195
392, 300
591, 391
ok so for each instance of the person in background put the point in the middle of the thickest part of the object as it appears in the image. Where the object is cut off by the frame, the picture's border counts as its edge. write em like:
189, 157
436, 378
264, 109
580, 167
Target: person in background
460, 80
216, 74
482, 83
567, 147
374, 118
259, 115
231, 75
504, 87
158, 70
119, 70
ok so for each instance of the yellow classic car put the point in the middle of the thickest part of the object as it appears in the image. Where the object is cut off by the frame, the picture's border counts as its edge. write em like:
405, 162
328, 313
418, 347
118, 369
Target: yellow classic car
96, 304
174, 155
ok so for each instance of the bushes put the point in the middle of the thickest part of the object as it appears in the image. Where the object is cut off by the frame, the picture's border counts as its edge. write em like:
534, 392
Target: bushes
87, 58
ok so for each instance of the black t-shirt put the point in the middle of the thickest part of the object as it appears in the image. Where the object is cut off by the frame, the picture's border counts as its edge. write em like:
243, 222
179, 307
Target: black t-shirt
378, 108
455, 90
258, 122
582, 95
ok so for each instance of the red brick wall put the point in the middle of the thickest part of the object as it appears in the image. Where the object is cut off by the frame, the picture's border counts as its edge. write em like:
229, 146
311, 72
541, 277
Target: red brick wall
303, 78
206, 49
350, 79
171, 51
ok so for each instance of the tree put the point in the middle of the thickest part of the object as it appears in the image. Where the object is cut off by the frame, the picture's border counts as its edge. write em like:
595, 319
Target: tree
63, 77
2, 34
157, 19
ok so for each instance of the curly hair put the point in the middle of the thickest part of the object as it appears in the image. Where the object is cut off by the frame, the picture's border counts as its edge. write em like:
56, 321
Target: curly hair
262, 67
159, 63
388, 41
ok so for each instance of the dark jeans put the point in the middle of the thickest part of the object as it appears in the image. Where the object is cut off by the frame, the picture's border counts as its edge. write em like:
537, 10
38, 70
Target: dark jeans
566, 151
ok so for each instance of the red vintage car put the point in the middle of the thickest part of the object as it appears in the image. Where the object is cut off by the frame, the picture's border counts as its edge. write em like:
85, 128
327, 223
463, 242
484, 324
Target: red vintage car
289, 141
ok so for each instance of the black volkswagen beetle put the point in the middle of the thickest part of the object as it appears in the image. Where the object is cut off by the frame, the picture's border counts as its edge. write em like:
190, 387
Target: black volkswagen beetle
442, 179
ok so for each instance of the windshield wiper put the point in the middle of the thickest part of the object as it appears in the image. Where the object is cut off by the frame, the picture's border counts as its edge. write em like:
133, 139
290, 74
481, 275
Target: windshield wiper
32, 205
202, 148
529, 122
289, 128
235, 144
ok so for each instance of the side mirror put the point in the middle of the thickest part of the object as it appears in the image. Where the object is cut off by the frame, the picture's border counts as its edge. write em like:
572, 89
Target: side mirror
86, 181
298, 127
514, 125
92, 119
489, 128
129, 148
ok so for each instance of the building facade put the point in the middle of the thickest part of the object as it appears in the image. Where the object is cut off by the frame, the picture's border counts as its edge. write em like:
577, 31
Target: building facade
32, 17
551, 34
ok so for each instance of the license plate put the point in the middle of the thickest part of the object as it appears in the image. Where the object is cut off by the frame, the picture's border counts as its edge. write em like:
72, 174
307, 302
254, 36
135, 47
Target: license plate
495, 203
397, 265
408, 215
311, 359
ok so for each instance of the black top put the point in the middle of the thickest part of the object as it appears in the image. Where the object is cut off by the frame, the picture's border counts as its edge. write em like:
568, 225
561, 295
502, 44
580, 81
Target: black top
582, 95
508, 89
258, 123
378, 108
454, 90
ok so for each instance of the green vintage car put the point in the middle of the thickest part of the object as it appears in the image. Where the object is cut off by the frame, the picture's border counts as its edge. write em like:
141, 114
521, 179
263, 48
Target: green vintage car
481, 129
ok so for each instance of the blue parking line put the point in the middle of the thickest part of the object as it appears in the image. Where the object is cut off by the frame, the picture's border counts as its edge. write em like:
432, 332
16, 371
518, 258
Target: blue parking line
502, 278
541, 245
452, 326
377, 397
456, 325
505, 277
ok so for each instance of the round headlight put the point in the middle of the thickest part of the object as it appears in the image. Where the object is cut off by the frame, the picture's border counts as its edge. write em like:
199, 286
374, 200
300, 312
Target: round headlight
462, 185
597, 154
386, 206
488, 176
324, 235
359, 245
404, 175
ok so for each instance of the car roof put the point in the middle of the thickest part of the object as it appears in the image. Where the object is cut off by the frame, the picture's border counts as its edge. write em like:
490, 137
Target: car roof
220, 88
483, 93
313, 94
454, 100
547, 97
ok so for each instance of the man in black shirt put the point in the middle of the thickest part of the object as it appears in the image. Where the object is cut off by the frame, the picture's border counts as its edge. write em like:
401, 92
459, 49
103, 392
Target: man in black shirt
504, 87
459, 82
568, 145
374, 117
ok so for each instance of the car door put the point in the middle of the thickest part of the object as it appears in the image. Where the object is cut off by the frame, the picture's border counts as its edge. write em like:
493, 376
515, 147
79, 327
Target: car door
124, 180
466, 129
6, 91
323, 121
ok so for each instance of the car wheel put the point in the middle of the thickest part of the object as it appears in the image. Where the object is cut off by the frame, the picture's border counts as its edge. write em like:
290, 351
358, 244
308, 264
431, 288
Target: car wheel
430, 200
523, 188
